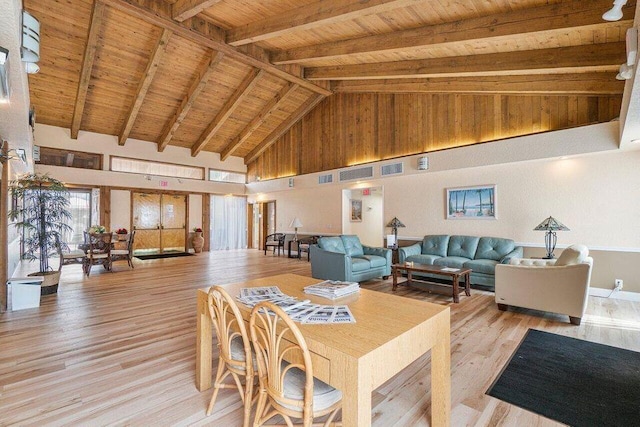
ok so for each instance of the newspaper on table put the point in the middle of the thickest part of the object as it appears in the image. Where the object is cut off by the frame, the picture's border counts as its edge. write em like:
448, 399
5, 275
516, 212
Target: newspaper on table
332, 289
300, 311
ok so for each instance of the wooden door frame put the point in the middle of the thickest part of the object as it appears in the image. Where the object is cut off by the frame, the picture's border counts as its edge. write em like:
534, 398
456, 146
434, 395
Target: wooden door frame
249, 225
186, 213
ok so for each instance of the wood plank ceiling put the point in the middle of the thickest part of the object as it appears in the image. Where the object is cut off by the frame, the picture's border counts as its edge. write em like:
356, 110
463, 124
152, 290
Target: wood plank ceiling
232, 76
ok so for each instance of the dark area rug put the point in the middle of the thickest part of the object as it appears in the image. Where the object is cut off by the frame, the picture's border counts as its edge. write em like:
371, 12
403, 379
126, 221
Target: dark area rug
576, 382
167, 255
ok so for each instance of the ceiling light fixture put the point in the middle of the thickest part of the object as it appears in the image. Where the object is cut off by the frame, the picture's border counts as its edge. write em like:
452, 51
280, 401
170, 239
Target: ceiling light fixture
615, 13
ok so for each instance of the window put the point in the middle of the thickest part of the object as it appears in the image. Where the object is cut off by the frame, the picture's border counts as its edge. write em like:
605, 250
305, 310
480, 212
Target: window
226, 176
69, 158
145, 167
80, 208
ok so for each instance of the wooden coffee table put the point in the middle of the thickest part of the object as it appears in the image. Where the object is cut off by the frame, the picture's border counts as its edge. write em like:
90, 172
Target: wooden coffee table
455, 275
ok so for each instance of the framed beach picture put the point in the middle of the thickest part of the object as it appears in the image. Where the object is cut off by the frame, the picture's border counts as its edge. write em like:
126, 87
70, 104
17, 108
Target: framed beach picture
471, 202
356, 210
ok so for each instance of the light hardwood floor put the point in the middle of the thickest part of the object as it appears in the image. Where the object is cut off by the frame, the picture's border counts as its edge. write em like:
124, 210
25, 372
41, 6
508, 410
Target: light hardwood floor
119, 349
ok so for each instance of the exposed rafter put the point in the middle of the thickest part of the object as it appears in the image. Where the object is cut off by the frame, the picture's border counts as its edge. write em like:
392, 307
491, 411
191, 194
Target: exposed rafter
268, 109
318, 14
97, 15
195, 90
551, 19
185, 9
145, 84
228, 108
552, 84
158, 14
284, 127
585, 58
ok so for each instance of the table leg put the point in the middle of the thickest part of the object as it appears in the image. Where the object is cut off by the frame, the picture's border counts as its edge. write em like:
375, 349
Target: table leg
456, 297
441, 374
395, 278
204, 343
467, 285
356, 403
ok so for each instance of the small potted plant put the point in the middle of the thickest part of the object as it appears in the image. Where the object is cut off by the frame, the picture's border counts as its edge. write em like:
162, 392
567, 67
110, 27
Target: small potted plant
122, 234
42, 216
197, 241
97, 229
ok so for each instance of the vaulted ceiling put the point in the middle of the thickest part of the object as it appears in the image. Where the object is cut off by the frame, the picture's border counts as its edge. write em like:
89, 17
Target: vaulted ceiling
232, 76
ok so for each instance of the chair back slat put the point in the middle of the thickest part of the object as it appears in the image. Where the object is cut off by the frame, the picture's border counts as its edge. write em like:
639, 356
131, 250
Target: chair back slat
280, 347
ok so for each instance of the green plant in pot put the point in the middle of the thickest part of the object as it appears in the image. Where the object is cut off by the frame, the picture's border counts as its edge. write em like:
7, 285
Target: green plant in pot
42, 214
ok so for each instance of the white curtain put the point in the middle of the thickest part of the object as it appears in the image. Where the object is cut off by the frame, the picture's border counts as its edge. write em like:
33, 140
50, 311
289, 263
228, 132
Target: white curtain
228, 222
80, 208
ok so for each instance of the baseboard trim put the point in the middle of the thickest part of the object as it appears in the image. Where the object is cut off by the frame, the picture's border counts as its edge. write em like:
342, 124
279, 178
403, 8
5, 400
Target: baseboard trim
623, 295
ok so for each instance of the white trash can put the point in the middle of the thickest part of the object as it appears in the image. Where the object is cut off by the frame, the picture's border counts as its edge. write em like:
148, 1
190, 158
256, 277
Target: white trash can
25, 292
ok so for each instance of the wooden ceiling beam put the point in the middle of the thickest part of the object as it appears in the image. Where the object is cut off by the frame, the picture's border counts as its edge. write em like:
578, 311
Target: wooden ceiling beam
318, 14
97, 16
543, 84
264, 114
158, 13
145, 84
228, 108
585, 58
550, 19
182, 10
283, 128
195, 90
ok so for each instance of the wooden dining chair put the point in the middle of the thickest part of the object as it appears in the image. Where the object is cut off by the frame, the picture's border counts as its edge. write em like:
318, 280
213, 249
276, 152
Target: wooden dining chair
125, 254
274, 241
287, 389
235, 355
98, 251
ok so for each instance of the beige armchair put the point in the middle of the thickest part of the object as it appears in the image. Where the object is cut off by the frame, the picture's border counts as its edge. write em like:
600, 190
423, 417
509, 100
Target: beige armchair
558, 286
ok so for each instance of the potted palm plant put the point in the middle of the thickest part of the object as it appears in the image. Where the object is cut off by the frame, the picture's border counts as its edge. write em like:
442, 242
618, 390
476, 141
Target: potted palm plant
41, 214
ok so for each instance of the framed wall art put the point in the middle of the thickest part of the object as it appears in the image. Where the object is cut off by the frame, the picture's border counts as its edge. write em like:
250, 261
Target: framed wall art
471, 202
356, 210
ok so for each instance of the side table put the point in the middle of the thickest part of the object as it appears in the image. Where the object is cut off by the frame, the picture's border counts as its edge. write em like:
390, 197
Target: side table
297, 247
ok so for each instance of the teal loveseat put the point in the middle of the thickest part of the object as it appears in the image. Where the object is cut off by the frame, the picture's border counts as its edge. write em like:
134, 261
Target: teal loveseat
480, 254
345, 258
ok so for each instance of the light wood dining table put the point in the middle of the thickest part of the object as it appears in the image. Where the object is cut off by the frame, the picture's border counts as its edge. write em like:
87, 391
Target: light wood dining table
389, 334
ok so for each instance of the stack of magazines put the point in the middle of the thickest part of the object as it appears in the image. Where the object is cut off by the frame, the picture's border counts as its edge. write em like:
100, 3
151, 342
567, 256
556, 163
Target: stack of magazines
299, 311
332, 289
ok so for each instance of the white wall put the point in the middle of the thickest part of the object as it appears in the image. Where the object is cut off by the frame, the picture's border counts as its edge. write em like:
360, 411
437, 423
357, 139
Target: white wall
596, 194
107, 145
120, 210
195, 211
371, 228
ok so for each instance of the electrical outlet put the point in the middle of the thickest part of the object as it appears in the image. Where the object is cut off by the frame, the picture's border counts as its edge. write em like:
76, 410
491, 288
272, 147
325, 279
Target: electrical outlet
619, 284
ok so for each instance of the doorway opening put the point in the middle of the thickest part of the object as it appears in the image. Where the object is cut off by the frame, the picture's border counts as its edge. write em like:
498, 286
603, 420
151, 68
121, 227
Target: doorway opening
159, 220
362, 214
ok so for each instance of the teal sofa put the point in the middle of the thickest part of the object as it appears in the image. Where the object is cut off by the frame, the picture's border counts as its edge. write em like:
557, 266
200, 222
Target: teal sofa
480, 254
345, 258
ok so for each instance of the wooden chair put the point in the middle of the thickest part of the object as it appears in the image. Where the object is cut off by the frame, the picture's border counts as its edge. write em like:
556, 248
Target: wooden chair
275, 240
234, 349
67, 256
304, 245
125, 254
287, 389
98, 251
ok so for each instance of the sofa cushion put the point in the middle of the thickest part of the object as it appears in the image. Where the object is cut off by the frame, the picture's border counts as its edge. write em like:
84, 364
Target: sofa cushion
451, 261
463, 246
352, 245
375, 260
494, 248
486, 266
423, 259
331, 244
360, 264
435, 245
574, 254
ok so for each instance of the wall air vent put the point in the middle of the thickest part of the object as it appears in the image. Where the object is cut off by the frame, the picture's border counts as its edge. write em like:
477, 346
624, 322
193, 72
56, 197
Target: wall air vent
392, 169
359, 173
325, 179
